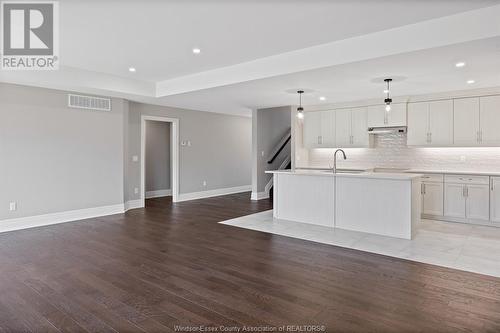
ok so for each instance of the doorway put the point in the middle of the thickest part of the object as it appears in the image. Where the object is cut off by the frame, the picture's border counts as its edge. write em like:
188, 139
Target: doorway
159, 157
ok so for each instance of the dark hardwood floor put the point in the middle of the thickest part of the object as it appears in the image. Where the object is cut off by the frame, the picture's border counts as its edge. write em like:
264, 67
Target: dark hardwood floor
172, 264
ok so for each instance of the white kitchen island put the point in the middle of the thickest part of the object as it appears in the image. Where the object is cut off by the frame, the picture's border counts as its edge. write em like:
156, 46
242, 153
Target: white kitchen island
379, 203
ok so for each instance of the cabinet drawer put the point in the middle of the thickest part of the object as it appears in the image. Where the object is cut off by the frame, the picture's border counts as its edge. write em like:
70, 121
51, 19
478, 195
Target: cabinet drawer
467, 179
432, 178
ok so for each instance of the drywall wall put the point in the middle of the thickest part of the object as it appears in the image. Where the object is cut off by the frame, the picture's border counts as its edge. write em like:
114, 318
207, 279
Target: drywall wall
220, 151
55, 158
269, 126
157, 156
390, 151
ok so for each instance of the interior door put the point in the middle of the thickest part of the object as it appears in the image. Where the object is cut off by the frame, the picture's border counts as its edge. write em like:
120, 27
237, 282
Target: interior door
495, 199
343, 128
466, 121
327, 129
441, 123
490, 120
478, 202
359, 128
432, 202
312, 129
454, 200
418, 124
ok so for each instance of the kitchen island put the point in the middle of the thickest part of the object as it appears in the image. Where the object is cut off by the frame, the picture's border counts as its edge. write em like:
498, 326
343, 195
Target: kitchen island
379, 203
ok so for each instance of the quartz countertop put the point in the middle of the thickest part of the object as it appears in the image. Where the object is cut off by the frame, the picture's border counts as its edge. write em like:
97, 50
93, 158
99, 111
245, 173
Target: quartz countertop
346, 173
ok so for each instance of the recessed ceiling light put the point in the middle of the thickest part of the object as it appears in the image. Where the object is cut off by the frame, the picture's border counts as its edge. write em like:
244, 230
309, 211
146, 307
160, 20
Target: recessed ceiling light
470, 81
131, 69
460, 64
322, 98
196, 50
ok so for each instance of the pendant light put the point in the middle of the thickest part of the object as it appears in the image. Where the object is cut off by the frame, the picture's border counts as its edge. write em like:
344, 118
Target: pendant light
300, 109
388, 99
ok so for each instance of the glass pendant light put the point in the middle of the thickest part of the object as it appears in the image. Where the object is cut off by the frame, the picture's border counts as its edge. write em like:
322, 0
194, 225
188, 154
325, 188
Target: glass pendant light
300, 109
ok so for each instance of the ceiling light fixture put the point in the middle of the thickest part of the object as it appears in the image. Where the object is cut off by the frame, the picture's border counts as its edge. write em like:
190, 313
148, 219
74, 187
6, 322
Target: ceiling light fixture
131, 69
470, 81
196, 50
460, 64
300, 109
322, 98
388, 99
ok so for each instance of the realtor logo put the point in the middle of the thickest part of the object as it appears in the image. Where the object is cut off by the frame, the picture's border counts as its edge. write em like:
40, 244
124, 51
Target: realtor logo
30, 36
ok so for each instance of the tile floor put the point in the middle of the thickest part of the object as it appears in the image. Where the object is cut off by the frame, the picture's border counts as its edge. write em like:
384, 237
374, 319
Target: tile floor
461, 246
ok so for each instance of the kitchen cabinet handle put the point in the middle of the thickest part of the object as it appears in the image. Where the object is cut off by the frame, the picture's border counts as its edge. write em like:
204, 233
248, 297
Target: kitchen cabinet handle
478, 137
430, 137
424, 189
463, 191
491, 183
481, 136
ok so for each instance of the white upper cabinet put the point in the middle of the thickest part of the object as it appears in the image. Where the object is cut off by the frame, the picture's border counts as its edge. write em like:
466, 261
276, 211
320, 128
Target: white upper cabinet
466, 122
489, 120
351, 129
378, 117
430, 123
319, 129
441, 123
328, 129
418, 124
343, 128
312, 129
359, 128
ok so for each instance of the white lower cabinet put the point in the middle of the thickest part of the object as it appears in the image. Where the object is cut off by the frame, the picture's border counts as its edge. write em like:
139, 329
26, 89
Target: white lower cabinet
495, 199
432, 199
467, 197
454, 200
478, 202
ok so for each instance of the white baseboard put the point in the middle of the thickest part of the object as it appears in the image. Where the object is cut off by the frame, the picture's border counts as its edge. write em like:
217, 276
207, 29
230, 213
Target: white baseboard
60, 217
259, 195
158, 194
133, 204
213, 193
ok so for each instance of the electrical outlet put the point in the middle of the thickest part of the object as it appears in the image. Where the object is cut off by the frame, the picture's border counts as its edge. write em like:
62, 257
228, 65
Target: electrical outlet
189, 143
13, 206
463, 158
136, 190
135, 158
262, 153
204, 183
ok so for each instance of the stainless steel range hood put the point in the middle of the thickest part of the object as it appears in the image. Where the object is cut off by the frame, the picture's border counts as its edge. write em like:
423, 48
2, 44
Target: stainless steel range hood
387, 130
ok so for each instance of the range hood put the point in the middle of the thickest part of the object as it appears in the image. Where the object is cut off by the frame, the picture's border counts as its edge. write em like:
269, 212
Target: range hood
387, 130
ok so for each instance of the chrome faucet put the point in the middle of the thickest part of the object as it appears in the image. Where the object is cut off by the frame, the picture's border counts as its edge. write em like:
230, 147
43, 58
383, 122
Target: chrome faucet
335, 159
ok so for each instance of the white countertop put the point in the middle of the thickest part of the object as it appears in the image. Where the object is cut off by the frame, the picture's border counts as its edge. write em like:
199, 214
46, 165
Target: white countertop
366, 174
455, 172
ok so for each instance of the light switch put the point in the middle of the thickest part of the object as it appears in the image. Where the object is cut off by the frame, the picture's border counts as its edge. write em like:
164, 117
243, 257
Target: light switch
13, 206
136, 190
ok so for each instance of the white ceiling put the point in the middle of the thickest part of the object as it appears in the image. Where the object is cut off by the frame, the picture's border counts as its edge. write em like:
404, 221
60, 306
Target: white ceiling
156, 37
252, 51
425, 72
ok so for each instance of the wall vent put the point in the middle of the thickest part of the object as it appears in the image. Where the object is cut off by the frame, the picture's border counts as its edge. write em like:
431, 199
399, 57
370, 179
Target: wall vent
89, 102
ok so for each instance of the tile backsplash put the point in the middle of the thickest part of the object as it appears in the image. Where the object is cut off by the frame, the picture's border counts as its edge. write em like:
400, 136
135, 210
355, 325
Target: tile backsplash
390, 151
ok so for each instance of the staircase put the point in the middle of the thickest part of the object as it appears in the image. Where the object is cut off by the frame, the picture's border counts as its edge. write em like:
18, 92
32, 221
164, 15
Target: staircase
286, 162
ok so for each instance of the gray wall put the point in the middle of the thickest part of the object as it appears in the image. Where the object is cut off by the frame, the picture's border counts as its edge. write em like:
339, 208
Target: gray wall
54, 158
220, 151
157, 156
269, 126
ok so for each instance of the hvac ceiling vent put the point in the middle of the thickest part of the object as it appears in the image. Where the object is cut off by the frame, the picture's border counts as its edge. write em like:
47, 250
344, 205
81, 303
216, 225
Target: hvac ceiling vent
89, 102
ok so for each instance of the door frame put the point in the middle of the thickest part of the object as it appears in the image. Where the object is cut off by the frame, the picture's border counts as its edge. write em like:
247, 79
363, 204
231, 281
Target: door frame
174, 149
